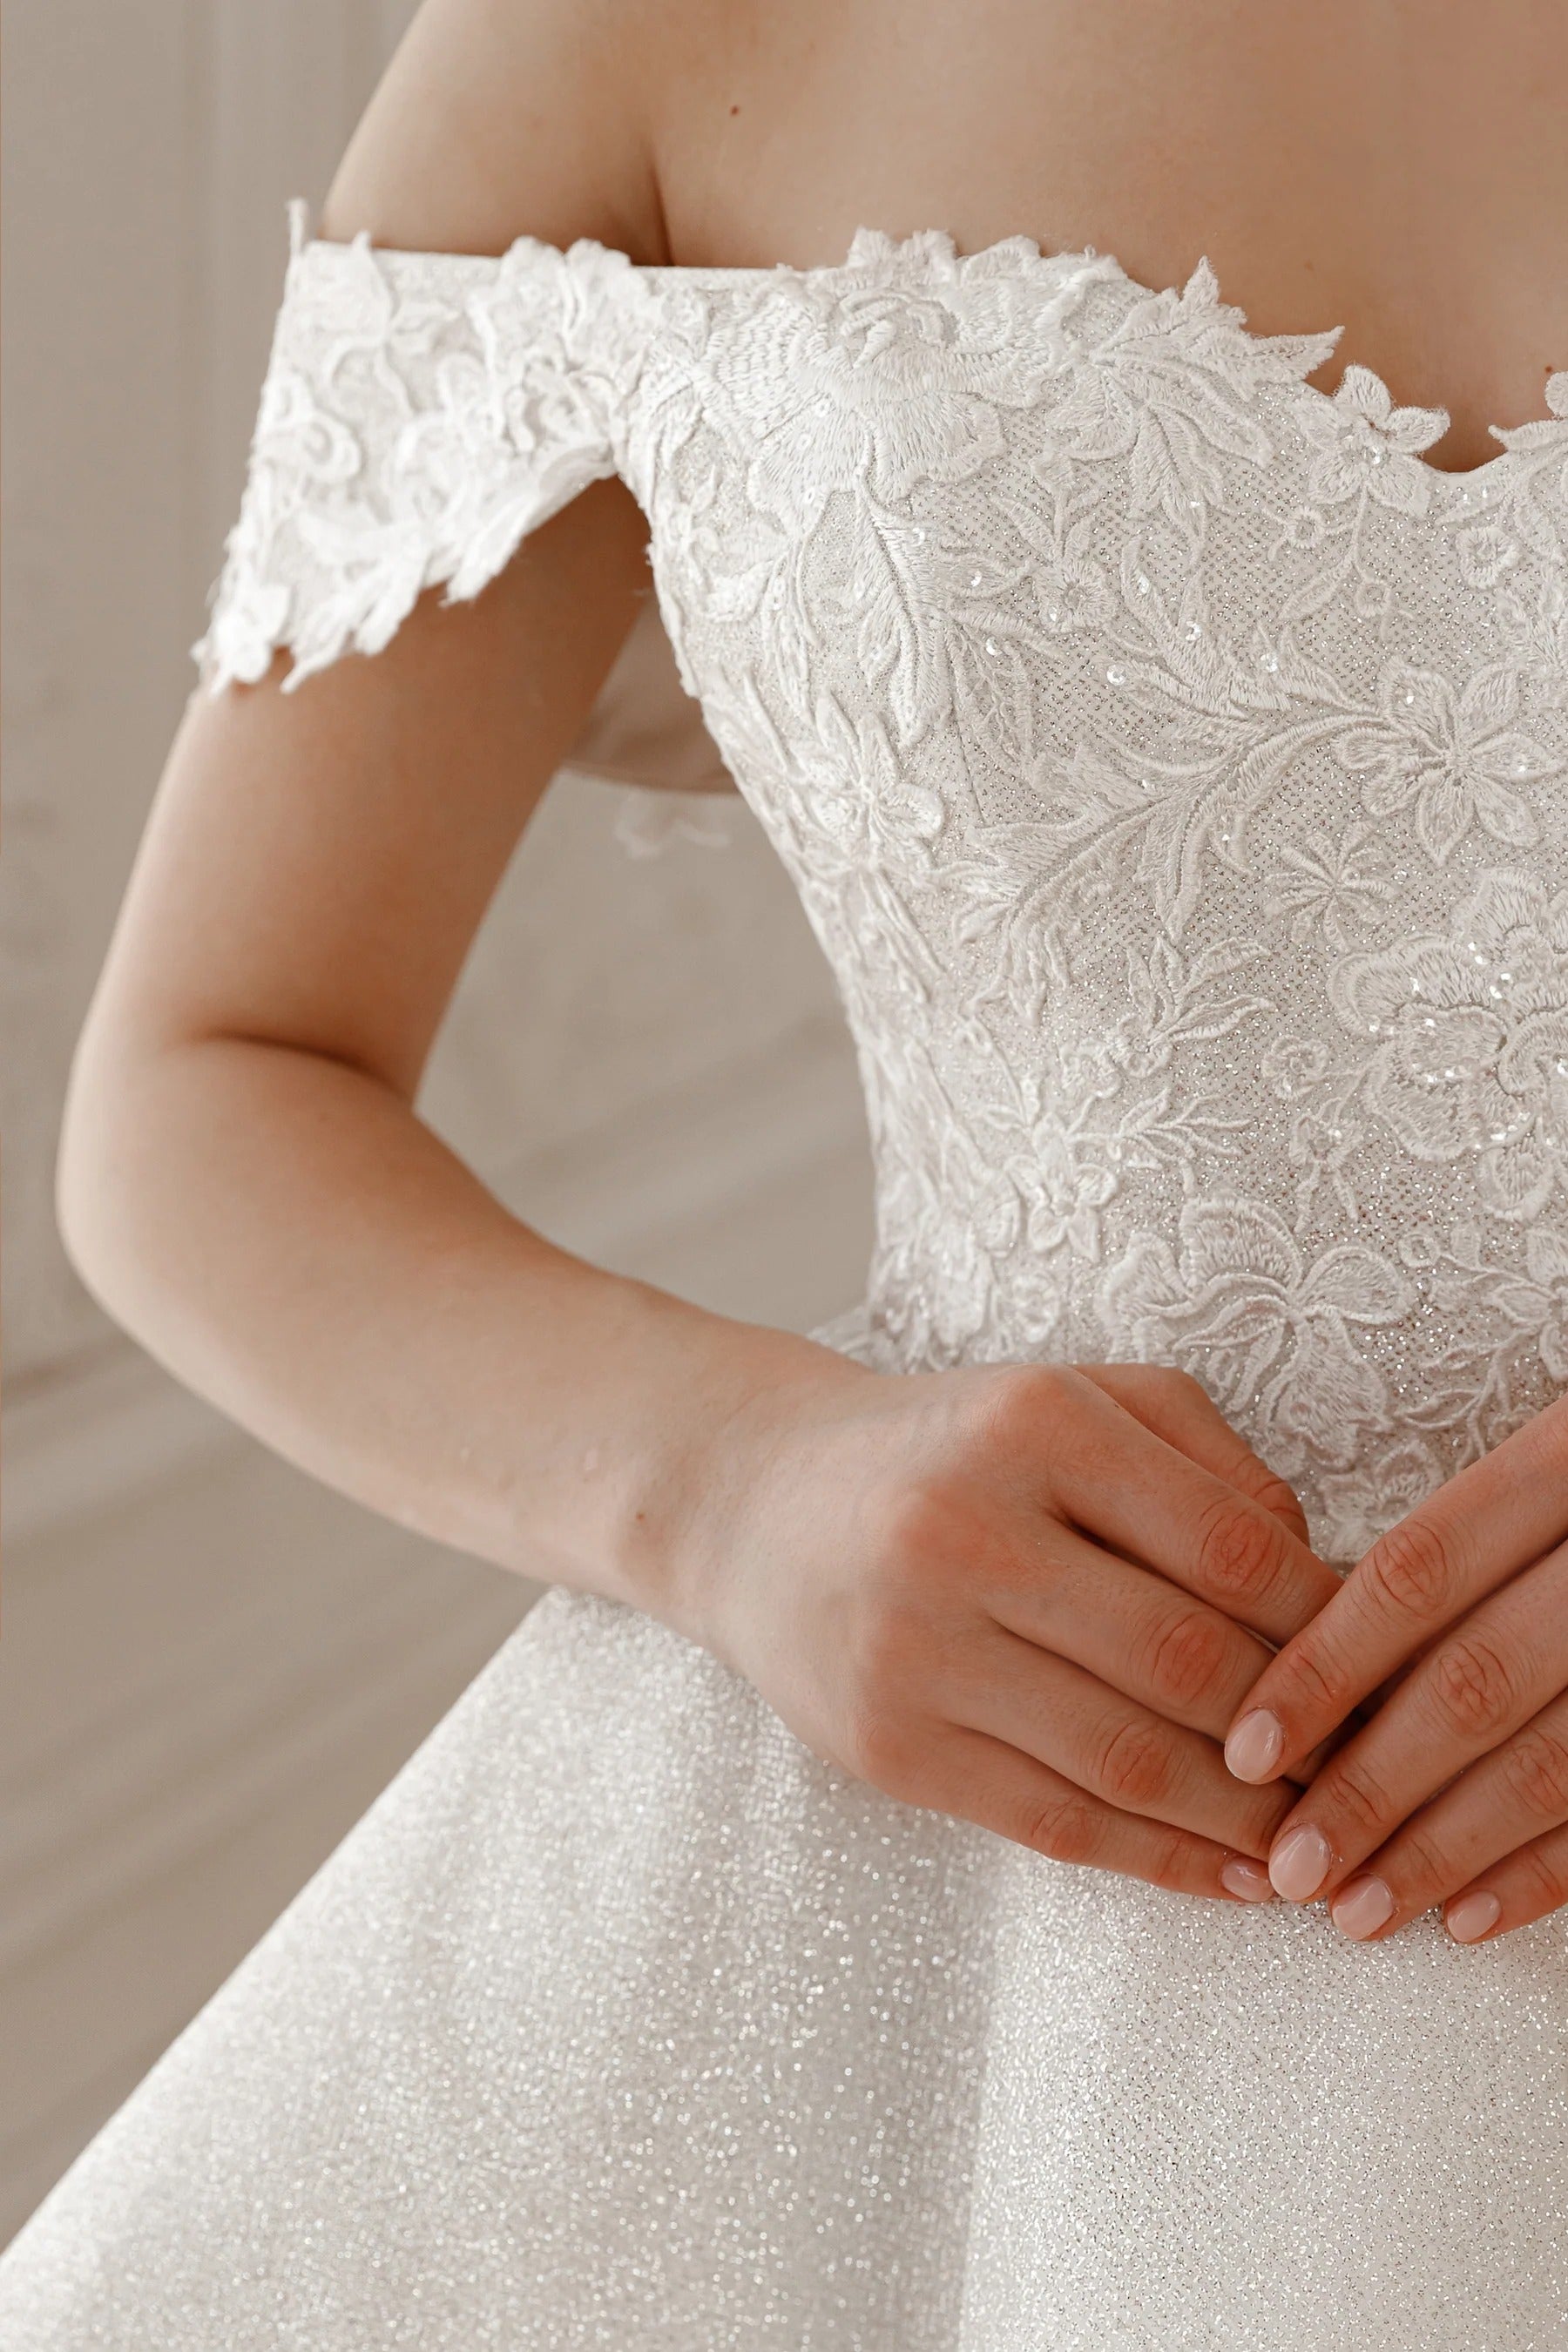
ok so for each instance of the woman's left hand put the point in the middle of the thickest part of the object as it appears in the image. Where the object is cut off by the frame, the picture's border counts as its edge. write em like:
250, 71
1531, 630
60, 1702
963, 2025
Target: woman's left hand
1456, 1791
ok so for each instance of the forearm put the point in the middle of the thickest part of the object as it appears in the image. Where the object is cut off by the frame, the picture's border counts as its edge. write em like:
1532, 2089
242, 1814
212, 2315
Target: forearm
285, 1235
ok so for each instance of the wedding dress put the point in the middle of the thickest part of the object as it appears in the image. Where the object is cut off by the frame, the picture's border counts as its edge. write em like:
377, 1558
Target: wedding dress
1173, 765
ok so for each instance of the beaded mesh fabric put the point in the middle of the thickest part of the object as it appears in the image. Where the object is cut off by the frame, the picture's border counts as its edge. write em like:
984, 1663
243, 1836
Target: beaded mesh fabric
1173, 765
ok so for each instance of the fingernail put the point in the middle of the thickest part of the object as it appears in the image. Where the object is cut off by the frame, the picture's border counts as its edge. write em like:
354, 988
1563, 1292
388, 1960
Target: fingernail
1254, 1747
1299, 1864
1362, 1906
1469, 1918
1248, 1880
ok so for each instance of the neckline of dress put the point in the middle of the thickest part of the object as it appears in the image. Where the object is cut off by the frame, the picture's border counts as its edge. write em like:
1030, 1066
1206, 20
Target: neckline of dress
867, 245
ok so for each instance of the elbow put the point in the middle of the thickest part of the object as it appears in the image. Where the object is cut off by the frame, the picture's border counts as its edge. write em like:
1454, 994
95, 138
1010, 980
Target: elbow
96, 1175
77, 1183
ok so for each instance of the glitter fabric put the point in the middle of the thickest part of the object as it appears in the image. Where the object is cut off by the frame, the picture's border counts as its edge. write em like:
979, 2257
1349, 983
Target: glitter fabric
1173, 765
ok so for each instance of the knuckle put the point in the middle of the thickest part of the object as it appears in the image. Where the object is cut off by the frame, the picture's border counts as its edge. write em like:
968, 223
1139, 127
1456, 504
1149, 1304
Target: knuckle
873, 1747
1310, 1687
1024, 1401
1189, 1658
1540, 1884
1271, 1808
1266, 1486
1239, 1550
1169, 1380
880, 1747
1471, 1686
1425, 1866
1361, 1801
1136, 1766
1412, 1569
918, 1520
1064, 1827
1535, 1766
1170, 1862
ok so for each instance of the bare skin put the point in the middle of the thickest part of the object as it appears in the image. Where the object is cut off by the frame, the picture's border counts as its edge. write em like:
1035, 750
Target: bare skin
1397, 169
1036, 1598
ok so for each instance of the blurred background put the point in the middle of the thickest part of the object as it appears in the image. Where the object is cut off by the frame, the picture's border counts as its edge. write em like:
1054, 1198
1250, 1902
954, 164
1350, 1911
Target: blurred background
211, 1664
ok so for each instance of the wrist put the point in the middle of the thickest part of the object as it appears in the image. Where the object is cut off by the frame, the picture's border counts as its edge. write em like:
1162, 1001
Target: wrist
688, 1521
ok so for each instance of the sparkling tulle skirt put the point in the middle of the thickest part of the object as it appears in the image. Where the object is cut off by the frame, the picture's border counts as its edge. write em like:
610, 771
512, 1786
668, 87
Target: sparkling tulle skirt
622, 2020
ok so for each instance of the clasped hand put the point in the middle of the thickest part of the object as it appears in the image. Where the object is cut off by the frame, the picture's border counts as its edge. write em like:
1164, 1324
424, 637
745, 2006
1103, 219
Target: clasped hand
1454, 1790
1040, 1598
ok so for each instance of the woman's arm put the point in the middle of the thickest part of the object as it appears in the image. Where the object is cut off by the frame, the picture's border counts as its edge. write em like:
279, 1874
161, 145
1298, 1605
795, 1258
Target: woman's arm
1028, 1596
243, 1181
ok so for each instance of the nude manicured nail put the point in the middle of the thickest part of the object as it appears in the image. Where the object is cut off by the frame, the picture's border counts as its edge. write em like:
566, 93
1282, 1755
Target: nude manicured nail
1299, 1864
1360, 1908
1248, 1880
1254, 1747
1470, 1918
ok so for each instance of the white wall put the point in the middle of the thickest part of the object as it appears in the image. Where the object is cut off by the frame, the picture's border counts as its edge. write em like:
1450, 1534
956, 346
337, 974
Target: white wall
210, 1664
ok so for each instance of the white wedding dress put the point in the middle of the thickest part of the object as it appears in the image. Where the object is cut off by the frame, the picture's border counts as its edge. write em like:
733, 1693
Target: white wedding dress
1173, 765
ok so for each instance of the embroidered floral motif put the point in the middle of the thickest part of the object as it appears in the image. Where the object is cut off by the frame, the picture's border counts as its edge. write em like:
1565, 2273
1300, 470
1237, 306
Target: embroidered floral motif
1063, 1186
1170, 389
1367, 447
1292, 1065
1550, 433
1455, 756
1474, 1057
850, 383
1170, 760
1485, 554
1262, 1329
1343, 887
1359, 1505
1540, 1305
405, 442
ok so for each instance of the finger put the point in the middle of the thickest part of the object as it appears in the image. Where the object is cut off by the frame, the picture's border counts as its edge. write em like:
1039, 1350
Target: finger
1134, 1629
1477, 1686
1103, 1742
1480, 1528
1515, 1795
1179, 1409
1142, 1635
998, 1786
1523, 1887
1119, 1482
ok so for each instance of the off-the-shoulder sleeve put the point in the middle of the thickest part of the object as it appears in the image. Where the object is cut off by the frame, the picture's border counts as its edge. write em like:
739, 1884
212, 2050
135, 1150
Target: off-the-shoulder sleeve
421, 412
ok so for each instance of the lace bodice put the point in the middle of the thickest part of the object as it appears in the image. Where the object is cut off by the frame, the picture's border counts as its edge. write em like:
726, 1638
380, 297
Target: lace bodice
1171, 763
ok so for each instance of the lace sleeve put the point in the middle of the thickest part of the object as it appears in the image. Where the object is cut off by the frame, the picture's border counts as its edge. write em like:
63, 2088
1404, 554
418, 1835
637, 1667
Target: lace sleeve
421, 412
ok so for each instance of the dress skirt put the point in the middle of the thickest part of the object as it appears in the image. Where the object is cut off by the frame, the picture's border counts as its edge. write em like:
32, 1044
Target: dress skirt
623, 2020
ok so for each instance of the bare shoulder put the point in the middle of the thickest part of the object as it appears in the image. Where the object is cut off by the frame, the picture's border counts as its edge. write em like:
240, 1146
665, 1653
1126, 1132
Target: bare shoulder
499, 119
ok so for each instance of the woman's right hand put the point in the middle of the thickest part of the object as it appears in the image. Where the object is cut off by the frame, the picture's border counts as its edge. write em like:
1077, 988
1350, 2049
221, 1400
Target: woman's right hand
1030, 1596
